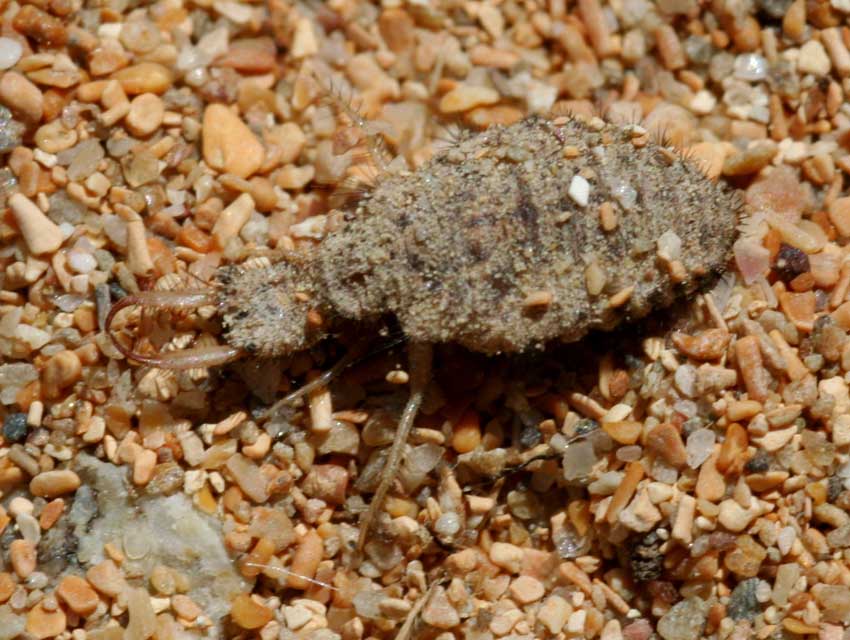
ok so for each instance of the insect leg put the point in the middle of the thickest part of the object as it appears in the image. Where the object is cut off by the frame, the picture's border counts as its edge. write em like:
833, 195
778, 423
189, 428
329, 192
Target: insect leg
347, 360
186, 359
421, 354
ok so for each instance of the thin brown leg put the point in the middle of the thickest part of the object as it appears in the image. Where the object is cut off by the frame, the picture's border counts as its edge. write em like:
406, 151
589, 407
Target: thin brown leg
420, 374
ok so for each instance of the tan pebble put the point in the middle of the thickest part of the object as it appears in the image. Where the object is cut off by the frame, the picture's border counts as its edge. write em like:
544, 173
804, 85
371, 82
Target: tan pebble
439, 612
7, 586
304, 42
751, 160
305, 560
734, 517
262, 190
23, 556
813, 59
466, 435
289, 139
228, 144
684, 523
624, 492
623, 431
54, 137
185, 607
60, 372
507, 556
839, 215
50, 484
249, 614
142, 617
78, 595
232, 219
711, 485
291, 177
708, 345
145, 77
23, 98
145, 115
397, 29
39, 232
106, 578
51, 513
709, 157
526, 589
733, 451
776, 439
554, 613
143, 466
666, 441
42, 623
466, 97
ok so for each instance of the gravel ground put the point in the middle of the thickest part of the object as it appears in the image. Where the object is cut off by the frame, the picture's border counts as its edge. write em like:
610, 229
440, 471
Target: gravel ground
686, 477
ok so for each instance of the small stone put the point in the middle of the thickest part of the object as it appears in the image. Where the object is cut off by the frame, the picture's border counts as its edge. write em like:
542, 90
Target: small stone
786, 577
327, 482
249, 614
439, 612
142, 618
50, 484
60, 372
466, 97
249, 477
42, 623
666, 441
23, 98
304, 42
813, 59
579, 191
106, 578
78, 595
296, 617
554, 614
145, 116
289, 139
734, 517
708, 345
15, 427
229, 145
526, 589
834, 602
23, 557
685, 620
185, 607
40, 233
699, 447
507, 556
640, 515
10, 52
743, 603
145, 77
750, 160
745, 559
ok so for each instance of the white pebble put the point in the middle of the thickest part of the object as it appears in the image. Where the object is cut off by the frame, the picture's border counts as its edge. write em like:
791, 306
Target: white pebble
10, 52
29, 527
580, 191
700, 446
81, 261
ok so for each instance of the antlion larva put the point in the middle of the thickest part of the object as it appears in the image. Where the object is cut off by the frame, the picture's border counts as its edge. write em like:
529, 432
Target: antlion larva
511, 238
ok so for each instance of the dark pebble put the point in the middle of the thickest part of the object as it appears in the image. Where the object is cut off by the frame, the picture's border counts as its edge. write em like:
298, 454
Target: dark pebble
743, 604
790, 262
15, 427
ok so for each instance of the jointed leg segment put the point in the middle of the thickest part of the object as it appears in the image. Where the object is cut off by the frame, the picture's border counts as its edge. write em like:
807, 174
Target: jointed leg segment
421, 355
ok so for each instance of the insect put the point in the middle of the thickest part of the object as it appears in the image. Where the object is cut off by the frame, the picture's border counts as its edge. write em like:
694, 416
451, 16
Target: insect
512, 238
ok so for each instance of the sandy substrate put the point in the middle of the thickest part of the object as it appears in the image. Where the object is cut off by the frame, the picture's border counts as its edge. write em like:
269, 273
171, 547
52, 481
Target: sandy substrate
687, 477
